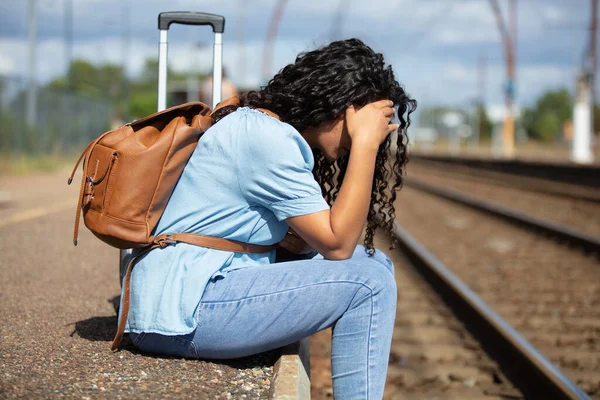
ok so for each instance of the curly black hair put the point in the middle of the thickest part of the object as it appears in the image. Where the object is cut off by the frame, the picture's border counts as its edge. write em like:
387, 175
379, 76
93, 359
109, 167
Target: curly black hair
318, 87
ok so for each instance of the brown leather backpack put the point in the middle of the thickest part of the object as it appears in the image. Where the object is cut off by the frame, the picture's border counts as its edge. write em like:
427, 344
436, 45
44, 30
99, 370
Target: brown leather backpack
129, 174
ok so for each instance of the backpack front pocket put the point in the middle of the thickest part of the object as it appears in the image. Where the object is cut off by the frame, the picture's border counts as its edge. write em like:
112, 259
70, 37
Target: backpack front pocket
99, 168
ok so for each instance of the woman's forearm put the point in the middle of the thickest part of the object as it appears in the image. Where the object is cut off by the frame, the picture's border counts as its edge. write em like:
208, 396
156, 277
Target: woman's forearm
349, 212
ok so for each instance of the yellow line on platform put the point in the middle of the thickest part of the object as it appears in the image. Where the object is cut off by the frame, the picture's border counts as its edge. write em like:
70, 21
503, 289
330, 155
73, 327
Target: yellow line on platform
36, 212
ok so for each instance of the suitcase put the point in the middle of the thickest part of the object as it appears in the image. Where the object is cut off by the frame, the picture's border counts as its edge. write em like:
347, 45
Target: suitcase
165, 19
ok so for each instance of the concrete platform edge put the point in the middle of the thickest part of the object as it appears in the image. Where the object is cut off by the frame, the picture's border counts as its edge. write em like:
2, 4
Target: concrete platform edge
291, 373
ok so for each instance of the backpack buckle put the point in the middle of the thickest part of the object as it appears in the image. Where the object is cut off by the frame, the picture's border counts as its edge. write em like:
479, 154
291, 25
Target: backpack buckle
165, 241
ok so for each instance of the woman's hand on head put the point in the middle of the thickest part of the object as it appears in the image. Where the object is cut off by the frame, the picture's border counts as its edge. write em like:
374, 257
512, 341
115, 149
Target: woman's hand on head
370, 125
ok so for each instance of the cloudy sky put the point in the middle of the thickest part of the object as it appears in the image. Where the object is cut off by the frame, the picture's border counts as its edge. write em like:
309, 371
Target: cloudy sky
433, 45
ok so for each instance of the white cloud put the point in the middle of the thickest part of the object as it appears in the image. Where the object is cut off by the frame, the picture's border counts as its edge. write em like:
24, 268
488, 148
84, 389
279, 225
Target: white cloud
457, 71
8, 61
552, 13
533, 80
454, 36
463, 23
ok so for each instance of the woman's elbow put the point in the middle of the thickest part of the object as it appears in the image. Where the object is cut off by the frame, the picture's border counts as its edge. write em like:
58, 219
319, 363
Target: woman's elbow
339, 254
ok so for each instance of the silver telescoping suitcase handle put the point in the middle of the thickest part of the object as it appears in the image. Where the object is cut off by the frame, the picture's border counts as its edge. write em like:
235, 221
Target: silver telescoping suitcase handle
165, 20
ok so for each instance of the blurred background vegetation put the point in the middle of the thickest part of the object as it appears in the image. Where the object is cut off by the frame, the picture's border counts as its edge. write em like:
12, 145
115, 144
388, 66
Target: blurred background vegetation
90, 99
548, 121
74, 109
130, 98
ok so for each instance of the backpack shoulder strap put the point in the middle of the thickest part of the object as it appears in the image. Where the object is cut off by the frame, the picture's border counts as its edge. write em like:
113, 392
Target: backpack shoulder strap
232, 101
235, 101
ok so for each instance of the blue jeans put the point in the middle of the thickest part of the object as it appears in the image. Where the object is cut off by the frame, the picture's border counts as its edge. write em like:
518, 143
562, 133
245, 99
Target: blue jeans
256, 309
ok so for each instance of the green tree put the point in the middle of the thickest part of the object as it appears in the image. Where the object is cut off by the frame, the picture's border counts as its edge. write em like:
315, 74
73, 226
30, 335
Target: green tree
105, 81
144, 96
485, 124
545, 120
132, 98
596, 119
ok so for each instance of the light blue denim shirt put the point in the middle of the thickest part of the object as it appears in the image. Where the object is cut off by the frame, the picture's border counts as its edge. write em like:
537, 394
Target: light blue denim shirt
248, 174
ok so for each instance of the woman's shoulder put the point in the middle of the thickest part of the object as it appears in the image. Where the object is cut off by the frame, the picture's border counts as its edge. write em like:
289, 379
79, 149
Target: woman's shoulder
254, 116
267, 138
260, 127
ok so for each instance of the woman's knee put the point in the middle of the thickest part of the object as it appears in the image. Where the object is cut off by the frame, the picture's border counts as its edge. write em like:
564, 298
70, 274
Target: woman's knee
375, 274
375, 283
379, 256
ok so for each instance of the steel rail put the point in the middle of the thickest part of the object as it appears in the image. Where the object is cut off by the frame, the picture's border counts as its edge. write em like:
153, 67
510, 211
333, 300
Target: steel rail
527, 368
583, 175
528, 183
588, 242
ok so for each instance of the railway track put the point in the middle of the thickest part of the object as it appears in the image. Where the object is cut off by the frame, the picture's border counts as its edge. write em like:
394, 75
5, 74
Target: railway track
533, 375
560, 231
571, 205
433, 354
563, 190
548, 291
565, 173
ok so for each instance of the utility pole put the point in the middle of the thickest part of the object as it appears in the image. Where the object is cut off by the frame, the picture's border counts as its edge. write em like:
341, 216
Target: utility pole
270, 39
582, 121
241, 39
593, 53
509, 39
338, 19
125, 57
31, 92
68, 16
583, 110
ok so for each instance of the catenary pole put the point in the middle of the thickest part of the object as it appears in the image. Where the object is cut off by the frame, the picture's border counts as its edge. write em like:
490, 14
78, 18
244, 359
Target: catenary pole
508, 35
270, 39
31, 92
68, 20
241, 38
124, 88
584, 105
593, 54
